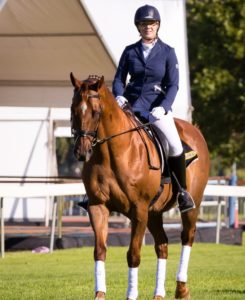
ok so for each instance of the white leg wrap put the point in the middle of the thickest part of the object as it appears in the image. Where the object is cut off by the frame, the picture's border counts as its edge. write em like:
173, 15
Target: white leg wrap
132, 292
160, 277
183, 265
99, 271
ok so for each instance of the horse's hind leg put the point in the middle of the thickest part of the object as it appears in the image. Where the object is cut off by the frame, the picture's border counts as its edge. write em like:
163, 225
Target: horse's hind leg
155, 226
99, 220
187, 237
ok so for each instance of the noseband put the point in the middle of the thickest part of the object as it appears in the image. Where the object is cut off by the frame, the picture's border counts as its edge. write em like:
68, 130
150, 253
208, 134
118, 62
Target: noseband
83, 133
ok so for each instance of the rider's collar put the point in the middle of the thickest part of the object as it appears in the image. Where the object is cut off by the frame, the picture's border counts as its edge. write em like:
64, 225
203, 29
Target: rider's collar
147, 46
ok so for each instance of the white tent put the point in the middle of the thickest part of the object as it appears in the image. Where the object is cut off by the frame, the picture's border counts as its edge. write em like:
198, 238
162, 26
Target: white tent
41, 42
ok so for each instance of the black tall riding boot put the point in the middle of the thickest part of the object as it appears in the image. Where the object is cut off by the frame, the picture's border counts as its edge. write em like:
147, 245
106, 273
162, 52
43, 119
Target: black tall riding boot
178, 174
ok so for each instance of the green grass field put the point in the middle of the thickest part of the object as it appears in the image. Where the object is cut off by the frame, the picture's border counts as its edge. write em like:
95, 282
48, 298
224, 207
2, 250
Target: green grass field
216, 272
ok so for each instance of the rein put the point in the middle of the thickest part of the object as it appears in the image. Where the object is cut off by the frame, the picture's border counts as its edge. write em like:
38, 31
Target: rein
101, 141
83, 133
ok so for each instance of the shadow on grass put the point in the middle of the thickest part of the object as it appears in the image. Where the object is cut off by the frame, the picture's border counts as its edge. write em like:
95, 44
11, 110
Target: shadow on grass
231, 291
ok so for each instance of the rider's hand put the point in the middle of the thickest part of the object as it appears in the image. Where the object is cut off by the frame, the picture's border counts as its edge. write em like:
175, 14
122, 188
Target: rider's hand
121, 101
158, 112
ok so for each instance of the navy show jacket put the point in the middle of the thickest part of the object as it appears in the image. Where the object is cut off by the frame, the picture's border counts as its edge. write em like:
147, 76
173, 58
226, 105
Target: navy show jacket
153, 82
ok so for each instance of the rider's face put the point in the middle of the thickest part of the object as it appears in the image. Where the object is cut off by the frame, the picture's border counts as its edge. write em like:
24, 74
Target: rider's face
148, 30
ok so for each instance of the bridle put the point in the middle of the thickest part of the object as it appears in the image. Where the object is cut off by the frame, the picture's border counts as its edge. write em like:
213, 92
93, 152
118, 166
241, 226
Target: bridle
78, 133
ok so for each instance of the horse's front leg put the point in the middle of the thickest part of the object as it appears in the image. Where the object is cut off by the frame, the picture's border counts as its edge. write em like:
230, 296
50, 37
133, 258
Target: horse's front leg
99, 215
187, 237
138, 218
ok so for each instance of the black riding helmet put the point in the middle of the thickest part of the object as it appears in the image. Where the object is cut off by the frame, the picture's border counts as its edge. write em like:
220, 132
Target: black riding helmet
146, 13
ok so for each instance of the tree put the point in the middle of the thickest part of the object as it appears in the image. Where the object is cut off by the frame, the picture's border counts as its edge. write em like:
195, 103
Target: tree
67, 163
216, 39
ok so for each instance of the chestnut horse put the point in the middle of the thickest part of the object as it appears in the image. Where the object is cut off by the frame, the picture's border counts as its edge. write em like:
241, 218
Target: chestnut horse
121, 173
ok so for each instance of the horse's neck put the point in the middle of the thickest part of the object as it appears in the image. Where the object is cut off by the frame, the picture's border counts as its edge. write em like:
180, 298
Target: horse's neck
113, 120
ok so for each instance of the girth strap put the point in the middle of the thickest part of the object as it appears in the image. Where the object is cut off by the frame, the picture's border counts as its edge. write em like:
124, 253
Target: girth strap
160, 190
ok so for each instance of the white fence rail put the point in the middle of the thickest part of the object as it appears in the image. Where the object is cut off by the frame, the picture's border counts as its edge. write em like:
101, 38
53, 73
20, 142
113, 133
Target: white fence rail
40, 189
66, 189
224, 191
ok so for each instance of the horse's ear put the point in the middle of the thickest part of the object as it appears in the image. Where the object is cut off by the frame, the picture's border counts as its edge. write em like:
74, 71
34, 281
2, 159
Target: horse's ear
74, 81
101, 81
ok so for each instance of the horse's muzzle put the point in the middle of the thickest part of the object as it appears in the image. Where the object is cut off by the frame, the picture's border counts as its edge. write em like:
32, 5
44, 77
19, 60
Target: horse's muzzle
83, 150
85, 156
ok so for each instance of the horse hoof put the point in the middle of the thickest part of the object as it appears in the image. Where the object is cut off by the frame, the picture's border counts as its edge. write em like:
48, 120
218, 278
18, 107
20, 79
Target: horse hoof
158, 298
99, 296
182, 292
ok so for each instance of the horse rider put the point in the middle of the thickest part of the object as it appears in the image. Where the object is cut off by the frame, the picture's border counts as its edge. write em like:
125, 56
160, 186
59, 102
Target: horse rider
153, 70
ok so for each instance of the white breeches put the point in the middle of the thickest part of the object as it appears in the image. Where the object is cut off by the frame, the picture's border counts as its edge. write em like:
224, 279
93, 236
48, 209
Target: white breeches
167, 131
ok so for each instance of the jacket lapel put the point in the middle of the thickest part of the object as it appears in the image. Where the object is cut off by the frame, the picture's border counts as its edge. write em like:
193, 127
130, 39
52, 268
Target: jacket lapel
138, 50
154, 51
